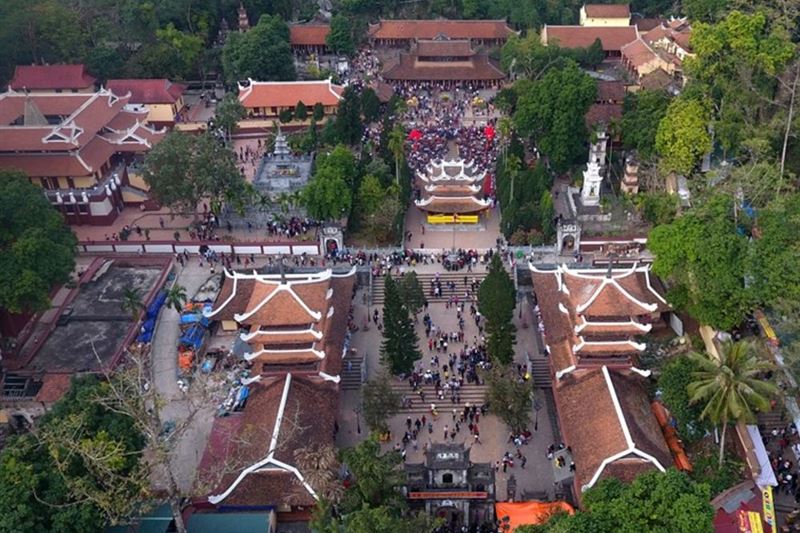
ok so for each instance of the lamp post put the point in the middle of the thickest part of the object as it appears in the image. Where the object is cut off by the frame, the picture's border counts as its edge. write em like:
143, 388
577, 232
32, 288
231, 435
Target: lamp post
537, 406
357, 411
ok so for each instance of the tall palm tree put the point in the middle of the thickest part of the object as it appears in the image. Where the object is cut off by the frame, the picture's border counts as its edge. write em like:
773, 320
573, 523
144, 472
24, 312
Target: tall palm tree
176, 297
397, 145
132, 302
732, 387
504, 128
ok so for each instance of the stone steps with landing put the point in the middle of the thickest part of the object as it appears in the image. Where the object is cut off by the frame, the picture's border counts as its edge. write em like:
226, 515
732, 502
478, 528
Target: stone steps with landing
425, 281
540, 370
351, 374
472, 394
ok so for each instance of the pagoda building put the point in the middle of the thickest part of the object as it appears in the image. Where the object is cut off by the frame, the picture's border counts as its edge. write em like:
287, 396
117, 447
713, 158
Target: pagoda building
449, 61
593, 323
294, 322
451, 191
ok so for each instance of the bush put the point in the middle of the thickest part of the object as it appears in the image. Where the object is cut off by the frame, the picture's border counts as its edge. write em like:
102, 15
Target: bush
675, 377
657, 208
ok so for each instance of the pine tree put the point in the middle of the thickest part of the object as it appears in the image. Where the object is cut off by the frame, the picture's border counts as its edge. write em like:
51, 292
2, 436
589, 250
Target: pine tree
496, 302
400, 347
411, 292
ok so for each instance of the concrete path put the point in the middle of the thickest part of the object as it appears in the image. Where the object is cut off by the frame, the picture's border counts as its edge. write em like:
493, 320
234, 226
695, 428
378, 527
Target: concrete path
164, 358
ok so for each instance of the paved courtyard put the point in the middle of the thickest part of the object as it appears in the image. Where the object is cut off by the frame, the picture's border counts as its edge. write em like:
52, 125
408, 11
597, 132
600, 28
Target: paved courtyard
538, 475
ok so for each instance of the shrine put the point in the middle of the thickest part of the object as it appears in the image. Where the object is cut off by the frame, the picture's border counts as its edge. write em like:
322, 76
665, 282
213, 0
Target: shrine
451, 192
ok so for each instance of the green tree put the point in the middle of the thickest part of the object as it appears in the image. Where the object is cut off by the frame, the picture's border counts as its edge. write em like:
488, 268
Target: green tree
263, 53
340, 39
176, 297
285, 116
551, 112
731, 388
496, 302
77, 471
186, 47
641, 114
37, 250
348, 126
673, 381
132, 302
319, 112
510, 398
400, 346
370, 105
183, 169
703, 10
379, 402
371, 195
300, 111
682, 137
228, 114
384, 520
703, 257
375, 477
327, 196
411, 292
397, 145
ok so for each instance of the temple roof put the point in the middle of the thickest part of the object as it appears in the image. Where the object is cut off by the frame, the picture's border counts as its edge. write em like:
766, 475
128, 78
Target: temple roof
606, 420
444, 48
432, 29
607, 11
309, 34
612, 38
452, 204
282, 416
51, 77
258, 94
409, 67
148, 91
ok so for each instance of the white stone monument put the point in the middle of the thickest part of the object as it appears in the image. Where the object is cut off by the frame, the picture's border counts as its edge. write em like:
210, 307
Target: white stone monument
592, 177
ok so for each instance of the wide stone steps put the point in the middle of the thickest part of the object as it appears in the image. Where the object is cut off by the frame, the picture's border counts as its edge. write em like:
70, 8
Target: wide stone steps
425, 280
540, 369
472, 394
770, 420
351, 373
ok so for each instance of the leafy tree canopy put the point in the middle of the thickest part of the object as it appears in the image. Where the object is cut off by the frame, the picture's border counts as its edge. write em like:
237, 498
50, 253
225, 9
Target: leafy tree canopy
641, 114
400, 347
551, 111
340, 39
655, 501
37, 250
682, 137
263, 53
183, 169
496, 302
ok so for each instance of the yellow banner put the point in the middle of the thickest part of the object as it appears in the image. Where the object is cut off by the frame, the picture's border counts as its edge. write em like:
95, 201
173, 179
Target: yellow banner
453, 219
769, 506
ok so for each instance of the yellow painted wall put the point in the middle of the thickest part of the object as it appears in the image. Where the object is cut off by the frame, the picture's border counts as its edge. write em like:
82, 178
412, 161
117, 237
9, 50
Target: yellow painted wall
595, 22
136, 180
164, 112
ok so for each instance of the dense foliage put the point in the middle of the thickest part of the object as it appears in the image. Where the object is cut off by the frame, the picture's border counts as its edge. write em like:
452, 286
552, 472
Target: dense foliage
77, 471
263, 53
400, 346
654, 501
37, 250
673, 382
496, 302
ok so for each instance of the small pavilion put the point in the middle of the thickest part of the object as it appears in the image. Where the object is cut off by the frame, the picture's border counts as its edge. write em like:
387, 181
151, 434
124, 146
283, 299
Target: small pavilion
451, 192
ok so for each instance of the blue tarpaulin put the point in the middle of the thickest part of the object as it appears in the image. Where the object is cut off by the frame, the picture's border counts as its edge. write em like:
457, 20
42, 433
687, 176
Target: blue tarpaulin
155, 305
193, 337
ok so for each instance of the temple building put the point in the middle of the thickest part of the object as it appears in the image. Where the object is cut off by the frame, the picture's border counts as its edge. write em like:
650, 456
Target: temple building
448, 485
267, 99
52, 79
594, 321
659, 51
162, 99
296, 321
308, 39
612, 38
404, 33
450, 191
605, 15
443, 60
79, 147
295, 329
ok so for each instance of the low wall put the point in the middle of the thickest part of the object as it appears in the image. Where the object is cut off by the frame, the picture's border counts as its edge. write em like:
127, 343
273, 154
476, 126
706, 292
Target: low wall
193, 247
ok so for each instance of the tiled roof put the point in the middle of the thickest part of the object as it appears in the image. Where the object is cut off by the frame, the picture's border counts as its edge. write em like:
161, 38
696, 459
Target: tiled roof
408, 67
258, 94
51, 77
647, 24
306, 419
608, 11
612, 38
603, 114
383, 90
444, 48
610, 91
450, 204
431, 29
151, 91
54, 386
308, 34
605, 414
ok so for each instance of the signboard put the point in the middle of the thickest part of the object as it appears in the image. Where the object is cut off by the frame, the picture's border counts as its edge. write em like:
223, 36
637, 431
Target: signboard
750, 522
769, 506
448, 495
453, 219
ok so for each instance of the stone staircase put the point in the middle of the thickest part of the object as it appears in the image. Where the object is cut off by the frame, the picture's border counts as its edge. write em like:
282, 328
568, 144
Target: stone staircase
351, 373
777, 418
472, 394
425, 280
540, 369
